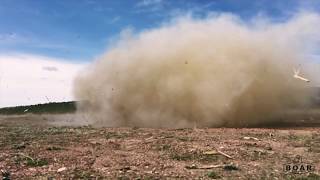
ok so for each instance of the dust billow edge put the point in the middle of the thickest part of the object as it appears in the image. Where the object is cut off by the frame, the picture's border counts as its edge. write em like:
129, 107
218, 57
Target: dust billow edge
217, 71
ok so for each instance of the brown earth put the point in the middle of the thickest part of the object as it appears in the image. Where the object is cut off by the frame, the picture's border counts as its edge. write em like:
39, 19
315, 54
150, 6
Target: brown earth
38, 147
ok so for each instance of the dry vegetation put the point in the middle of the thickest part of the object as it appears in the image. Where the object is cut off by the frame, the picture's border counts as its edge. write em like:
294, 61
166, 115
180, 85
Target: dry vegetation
39, 151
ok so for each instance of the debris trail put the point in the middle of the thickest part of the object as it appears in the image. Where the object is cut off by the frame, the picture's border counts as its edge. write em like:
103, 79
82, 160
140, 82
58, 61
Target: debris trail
218, 71
298, 76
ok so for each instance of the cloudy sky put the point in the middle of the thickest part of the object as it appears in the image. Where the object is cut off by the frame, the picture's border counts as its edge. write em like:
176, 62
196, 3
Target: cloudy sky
43, 44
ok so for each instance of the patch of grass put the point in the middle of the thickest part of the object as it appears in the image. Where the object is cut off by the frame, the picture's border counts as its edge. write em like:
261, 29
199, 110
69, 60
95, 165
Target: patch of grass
54, 107
116, 135
54, 148
184, 139
258, 154
84, 174
314, 149
313, 144
123, 178
213, 175
182, 129
167, 136
208, 158
163, 147
60, 130
293, 137
36, 162
311, 176
29, 161
182, 157
230, 167
193, 156
19, 146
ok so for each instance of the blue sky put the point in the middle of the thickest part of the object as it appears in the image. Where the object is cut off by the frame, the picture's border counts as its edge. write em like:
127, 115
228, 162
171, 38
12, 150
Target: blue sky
79, 30
44, 44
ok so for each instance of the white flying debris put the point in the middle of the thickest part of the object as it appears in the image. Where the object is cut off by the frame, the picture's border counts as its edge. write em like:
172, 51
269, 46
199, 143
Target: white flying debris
26, 110
297, 76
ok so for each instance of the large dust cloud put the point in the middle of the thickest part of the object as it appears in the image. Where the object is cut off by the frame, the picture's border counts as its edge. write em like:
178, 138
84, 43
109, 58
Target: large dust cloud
215, 72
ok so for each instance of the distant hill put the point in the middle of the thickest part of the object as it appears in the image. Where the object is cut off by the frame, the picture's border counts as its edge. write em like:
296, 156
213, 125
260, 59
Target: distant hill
54, 107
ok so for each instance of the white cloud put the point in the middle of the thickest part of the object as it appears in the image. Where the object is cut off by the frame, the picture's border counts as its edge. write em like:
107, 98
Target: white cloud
149, 3
149, 6
115, 19
26, 79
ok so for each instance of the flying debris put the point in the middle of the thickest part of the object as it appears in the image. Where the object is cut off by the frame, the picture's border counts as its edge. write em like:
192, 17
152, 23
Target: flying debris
47, 99
297, 76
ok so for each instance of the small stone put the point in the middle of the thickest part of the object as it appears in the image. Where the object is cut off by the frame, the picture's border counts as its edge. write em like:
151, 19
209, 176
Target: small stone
61, 169
212, 152
32, 169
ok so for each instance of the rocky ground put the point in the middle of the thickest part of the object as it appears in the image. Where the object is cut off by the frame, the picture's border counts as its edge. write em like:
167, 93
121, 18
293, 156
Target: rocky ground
33, 150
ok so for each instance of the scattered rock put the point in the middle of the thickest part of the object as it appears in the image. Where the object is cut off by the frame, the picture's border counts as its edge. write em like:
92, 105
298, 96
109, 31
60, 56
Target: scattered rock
192, 166
251, 138
61, 169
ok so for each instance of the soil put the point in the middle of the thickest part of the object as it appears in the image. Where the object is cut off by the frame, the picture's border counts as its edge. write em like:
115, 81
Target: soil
51, 147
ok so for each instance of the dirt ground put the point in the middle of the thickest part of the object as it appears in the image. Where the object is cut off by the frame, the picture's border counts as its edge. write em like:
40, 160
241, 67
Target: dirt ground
35, 147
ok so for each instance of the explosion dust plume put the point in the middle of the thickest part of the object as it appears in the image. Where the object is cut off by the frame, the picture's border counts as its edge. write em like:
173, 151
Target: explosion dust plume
213, 72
